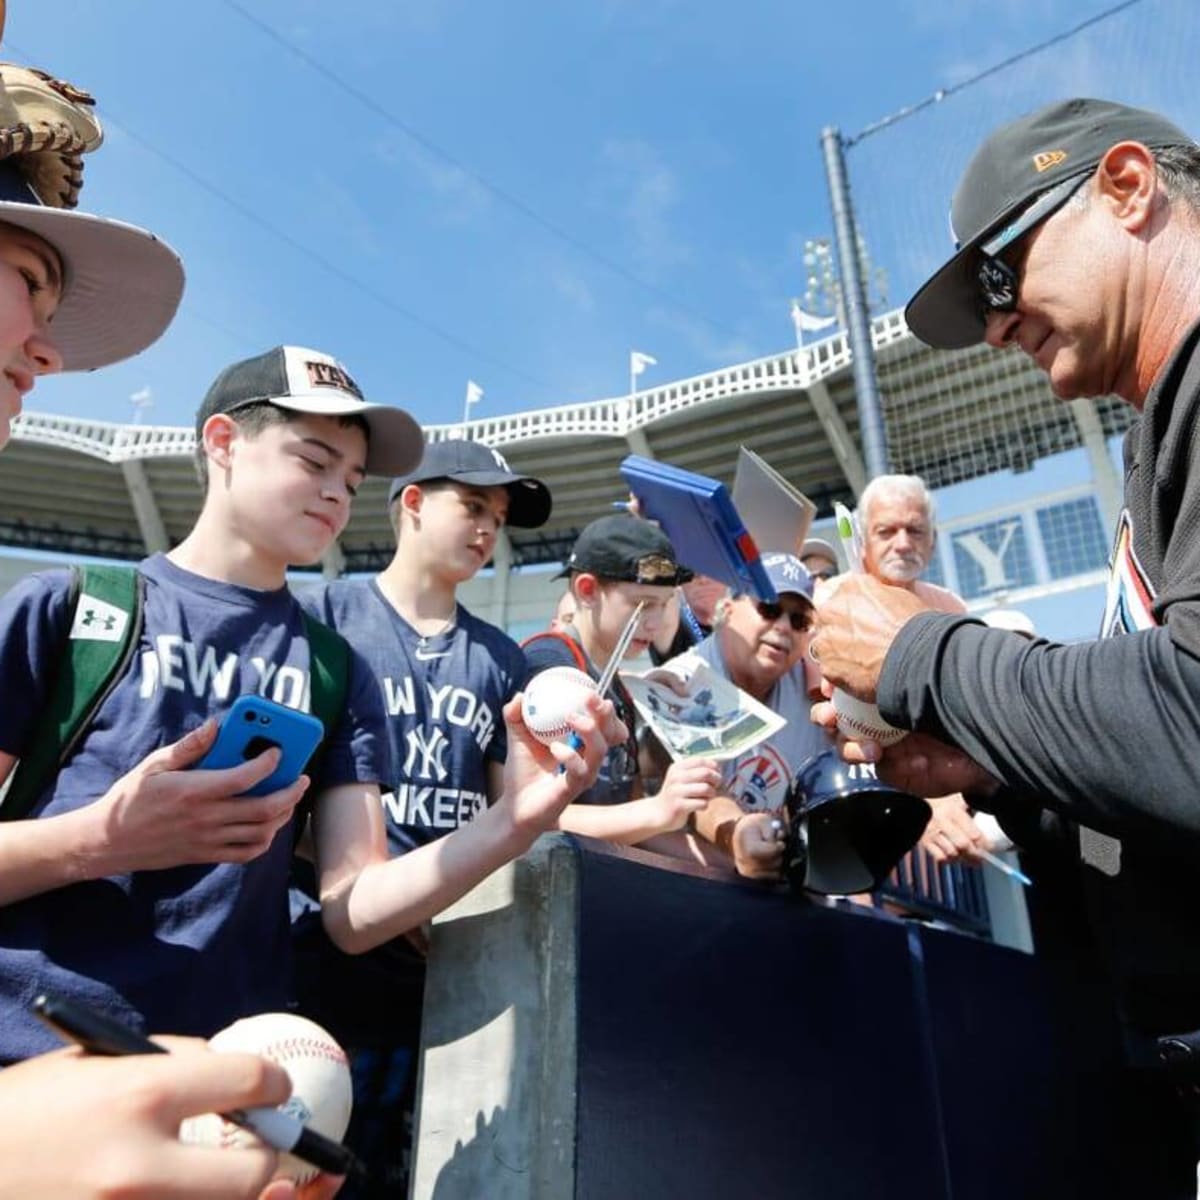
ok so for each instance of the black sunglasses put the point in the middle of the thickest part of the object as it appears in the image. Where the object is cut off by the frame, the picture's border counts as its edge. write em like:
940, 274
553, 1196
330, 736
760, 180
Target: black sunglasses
998, 281
799, 620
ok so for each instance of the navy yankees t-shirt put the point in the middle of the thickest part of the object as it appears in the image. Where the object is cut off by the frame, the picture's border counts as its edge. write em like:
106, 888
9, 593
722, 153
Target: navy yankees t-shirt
443, 698
192, 948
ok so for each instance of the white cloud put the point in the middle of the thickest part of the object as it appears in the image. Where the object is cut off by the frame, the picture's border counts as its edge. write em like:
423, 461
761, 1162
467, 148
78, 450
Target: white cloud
461, 199
644, 192
571, 286
714, 346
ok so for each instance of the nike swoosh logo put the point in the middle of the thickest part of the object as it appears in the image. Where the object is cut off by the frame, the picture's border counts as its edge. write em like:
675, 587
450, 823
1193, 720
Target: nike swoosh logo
425, 656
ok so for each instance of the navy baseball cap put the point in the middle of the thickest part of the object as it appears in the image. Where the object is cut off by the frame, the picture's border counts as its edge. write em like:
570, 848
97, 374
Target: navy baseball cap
1018, 164
474, 463
788, 574
308, 381
627, 549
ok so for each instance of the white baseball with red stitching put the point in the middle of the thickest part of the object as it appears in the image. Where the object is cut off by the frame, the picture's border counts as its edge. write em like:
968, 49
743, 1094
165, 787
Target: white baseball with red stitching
858, 720
550, 698
321, 1092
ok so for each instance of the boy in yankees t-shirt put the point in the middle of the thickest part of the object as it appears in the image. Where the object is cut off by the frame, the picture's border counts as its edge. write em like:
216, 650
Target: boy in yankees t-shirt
158, 894
445, 676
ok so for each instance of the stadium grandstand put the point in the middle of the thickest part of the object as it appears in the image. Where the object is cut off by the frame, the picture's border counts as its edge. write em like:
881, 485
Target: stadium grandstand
95, 488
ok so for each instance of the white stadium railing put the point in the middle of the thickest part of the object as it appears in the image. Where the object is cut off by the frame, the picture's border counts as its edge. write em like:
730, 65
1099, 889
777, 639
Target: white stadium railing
616, 417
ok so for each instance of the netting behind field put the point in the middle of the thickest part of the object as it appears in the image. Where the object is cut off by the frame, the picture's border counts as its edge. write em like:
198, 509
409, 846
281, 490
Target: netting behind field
956, 416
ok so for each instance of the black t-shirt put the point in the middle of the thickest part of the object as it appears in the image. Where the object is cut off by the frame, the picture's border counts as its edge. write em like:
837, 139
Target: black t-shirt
1106, 734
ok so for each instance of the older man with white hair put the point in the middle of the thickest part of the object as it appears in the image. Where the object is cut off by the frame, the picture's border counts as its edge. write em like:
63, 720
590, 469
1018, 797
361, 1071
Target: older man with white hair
897, 519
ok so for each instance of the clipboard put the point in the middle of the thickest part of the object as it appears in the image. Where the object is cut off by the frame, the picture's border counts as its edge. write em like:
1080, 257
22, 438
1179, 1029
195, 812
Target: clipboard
699, 517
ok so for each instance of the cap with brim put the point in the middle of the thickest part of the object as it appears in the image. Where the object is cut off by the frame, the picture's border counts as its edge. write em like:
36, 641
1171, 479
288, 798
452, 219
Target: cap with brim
1016, 164
477, 465
627, 549
788, 574
309, 381
816, 545
121, 284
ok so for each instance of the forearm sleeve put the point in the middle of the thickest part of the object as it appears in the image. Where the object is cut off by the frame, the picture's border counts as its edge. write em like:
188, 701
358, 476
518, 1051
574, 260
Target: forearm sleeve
1106, 733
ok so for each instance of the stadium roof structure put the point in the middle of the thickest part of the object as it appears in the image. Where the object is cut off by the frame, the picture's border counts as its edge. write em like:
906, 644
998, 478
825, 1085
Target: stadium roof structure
121, 490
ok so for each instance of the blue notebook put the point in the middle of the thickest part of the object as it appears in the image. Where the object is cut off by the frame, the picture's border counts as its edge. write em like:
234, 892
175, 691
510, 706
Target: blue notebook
698, 516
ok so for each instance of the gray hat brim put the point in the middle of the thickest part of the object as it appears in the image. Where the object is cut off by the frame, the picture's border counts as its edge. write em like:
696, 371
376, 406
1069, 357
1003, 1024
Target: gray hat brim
122, 287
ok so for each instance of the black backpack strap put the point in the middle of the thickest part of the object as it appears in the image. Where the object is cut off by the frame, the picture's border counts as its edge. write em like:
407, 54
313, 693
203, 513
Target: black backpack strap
105, 613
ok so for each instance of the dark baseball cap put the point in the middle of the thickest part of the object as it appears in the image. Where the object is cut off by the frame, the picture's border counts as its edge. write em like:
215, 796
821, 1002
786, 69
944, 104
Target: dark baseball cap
1017, 164
308, 381
627, 549
476, 464
788, 574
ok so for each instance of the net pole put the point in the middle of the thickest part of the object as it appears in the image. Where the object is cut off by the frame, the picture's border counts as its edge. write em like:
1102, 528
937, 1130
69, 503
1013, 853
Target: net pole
854, 292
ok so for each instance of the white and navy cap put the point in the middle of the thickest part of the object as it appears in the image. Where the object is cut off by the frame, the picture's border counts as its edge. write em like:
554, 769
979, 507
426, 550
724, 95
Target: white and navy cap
121, 284
309, 381
788, 574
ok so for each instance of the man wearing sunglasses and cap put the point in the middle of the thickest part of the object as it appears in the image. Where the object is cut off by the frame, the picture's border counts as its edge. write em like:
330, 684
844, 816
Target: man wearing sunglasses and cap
760, 648
1079, 245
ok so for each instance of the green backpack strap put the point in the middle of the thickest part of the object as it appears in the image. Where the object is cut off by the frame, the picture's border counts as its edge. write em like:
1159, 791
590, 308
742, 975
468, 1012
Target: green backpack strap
329, 672
105, 612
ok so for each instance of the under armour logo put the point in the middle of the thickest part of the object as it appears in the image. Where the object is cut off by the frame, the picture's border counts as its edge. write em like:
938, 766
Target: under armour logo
98, 621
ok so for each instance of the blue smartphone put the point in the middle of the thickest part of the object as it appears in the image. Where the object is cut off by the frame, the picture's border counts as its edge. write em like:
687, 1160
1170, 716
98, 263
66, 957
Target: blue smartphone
253, 725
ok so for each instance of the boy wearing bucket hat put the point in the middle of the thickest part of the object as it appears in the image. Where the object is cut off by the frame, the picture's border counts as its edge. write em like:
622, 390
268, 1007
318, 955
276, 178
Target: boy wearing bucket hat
159, 894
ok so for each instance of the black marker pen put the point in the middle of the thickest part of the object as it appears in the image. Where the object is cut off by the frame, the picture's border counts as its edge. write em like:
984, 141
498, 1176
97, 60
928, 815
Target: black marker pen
99, 1034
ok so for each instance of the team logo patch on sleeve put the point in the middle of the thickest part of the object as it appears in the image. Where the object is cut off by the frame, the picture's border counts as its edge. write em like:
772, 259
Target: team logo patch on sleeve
98, 621
1129, 604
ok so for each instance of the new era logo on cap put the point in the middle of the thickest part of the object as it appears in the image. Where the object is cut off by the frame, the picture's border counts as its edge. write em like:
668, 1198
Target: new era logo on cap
1047, 159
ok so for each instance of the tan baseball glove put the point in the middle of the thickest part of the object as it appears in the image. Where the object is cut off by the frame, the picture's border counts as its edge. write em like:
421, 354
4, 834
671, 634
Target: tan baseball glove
46, 126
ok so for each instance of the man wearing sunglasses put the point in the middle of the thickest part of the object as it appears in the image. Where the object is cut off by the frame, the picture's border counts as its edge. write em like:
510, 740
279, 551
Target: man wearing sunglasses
760, 647
1079, 245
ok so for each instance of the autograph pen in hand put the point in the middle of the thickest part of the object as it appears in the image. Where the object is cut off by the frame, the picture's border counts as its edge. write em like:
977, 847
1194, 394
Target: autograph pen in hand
610, 671
98, 1033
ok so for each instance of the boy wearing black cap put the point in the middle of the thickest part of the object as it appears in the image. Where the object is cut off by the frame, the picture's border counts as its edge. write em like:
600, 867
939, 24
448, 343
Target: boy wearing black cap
445, 676
617, 563
164, 901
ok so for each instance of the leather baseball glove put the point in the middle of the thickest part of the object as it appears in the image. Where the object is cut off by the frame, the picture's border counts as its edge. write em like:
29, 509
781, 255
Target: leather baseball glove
46, 126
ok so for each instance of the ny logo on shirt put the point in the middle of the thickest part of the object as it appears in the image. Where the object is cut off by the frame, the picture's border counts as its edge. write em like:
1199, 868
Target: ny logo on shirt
430, 746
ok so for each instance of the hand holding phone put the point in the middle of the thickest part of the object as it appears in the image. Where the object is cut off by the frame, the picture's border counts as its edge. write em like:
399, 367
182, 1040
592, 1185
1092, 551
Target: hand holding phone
254, 725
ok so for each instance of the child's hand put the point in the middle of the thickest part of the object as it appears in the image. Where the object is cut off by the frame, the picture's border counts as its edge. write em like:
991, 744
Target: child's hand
536, 790
687, 788
163, 814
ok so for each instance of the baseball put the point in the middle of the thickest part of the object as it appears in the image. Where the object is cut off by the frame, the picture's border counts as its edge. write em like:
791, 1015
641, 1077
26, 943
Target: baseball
858, 720
321, 1093
550, 698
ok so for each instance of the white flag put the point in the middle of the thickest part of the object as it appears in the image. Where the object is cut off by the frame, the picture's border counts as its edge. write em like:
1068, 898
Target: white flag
807, 323
474, 393
638, 362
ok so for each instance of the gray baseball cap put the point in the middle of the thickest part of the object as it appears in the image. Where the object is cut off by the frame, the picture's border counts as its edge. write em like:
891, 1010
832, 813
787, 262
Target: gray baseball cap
1016, 166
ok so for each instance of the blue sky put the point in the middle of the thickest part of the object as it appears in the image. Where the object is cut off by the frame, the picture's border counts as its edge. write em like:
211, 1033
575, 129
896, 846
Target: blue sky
672, 146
